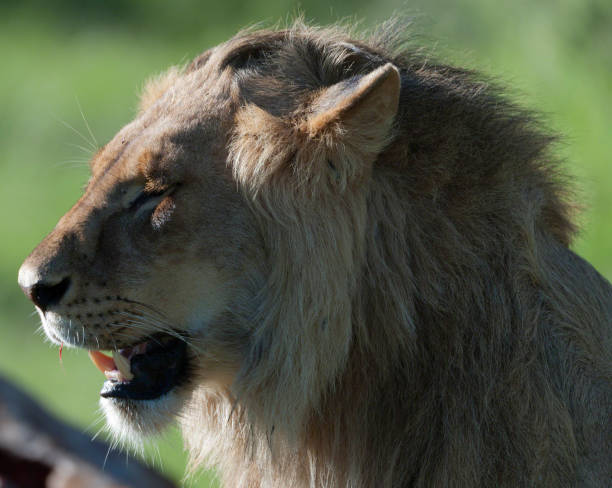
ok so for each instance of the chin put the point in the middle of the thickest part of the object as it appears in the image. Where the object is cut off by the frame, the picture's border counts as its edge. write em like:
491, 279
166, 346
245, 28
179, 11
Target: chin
133, 421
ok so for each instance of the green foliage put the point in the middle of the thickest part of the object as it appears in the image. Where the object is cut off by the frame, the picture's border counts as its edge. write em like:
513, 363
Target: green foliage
66, 56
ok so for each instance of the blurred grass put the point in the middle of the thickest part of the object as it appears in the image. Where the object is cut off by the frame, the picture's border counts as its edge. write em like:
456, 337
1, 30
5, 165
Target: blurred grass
63, 56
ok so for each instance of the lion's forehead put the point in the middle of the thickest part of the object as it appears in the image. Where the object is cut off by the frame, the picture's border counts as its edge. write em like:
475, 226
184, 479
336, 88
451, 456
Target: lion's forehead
164, 144
190, 112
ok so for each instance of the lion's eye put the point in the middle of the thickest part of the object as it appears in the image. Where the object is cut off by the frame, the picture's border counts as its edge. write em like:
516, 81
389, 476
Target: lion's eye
145, 197
148, 200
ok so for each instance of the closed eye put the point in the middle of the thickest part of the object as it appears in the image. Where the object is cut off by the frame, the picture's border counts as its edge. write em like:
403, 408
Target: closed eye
148, 200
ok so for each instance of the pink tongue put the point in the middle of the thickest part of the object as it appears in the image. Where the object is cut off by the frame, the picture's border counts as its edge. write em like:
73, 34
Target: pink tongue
102, 361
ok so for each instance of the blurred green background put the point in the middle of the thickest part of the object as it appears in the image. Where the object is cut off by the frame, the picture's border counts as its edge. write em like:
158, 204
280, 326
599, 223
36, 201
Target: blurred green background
63, 57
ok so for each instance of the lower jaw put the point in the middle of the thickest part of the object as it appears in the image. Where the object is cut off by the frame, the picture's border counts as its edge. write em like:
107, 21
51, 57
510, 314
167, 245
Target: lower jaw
131, 421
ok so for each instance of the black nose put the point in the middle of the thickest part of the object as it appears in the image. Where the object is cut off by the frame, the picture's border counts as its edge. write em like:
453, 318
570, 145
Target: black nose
45, 295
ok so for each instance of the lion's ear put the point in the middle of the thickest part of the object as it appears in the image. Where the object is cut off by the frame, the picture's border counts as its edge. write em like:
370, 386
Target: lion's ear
332, 147
359, 107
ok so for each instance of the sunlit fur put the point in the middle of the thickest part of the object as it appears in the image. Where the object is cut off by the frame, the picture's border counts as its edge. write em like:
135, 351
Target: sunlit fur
369, 251
423, 322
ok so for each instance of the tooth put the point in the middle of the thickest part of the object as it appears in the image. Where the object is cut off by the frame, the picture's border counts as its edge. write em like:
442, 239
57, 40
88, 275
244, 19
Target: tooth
123, 365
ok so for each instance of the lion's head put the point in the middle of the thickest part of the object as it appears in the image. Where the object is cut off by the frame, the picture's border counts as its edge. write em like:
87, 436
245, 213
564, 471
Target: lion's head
334, 261
219, 234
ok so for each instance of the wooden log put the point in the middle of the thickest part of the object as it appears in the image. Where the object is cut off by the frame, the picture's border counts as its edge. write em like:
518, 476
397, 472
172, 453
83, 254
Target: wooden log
39, 450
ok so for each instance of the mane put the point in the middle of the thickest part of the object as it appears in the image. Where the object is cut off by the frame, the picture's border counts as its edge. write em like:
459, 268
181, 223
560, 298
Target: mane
402, 275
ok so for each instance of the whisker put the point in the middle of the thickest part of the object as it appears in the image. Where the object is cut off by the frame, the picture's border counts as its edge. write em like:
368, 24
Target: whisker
159, 457
86, 150
145, 314
70, 163
130, 336
146, 323
111, 446
99, 431
151, 320
148, 307
142, 326
95, 423
66, 124
41, 332
87, 124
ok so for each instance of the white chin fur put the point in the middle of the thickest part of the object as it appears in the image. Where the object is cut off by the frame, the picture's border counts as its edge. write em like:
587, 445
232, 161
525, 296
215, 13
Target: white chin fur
132, 421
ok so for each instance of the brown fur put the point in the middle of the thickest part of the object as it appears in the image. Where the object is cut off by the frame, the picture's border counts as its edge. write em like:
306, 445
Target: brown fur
386, 238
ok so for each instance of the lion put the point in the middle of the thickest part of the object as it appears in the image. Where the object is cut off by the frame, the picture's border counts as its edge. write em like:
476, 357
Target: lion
337, 263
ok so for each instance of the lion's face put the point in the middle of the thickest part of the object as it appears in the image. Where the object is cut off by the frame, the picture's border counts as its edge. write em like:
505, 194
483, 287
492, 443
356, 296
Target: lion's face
151, 255
200, 251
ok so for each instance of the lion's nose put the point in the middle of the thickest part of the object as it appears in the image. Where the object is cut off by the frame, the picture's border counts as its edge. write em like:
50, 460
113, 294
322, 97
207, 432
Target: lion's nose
44, 292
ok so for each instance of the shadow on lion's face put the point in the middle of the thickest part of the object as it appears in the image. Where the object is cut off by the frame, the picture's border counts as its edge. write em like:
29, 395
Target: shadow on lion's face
151, 259
181, 253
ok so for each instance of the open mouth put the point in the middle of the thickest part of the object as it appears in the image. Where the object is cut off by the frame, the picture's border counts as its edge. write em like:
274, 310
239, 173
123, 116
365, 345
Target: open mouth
145, 371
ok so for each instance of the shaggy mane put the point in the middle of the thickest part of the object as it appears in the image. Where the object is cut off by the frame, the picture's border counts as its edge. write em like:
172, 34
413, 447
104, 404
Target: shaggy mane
405, 324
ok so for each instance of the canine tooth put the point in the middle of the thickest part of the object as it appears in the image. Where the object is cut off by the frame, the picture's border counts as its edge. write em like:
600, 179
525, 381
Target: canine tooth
123, 365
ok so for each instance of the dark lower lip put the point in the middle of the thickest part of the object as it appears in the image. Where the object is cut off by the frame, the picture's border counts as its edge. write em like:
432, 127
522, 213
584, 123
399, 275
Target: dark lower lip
163, 367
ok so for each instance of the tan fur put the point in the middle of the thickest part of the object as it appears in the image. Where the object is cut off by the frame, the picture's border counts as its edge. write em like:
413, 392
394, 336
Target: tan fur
369, 252
156, 86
